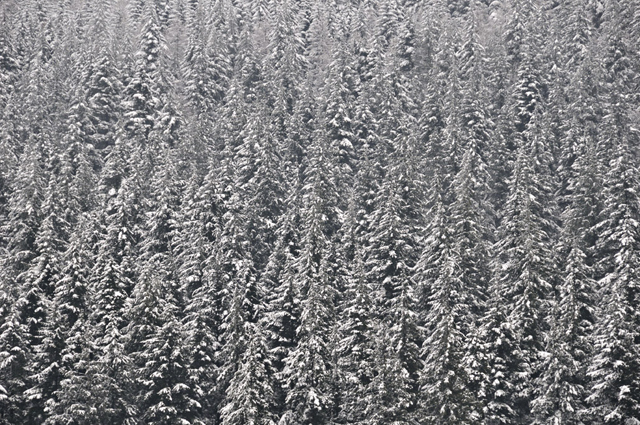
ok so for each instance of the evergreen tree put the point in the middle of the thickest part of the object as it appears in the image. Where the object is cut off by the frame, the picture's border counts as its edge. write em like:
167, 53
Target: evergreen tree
391, 251
51, 244
146, 105
525, 266
443, 378
69, 320
311, 212
249, 398
308, 367
97, 109
102, 380
282, 315
28, 268
240, 292
498, 361
564, 385
357, 327
200, 284
166, 396
614, 392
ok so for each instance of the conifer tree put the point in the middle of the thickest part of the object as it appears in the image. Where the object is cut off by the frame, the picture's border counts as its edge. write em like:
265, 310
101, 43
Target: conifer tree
200, 283
614, 396
68, 312
614, 391
240, 292
285, 65
15, 363
250, 394
97, 109
24, 280
356, 347
449, 291
206, 64
166, 394
312, 212
46, 271
9, 63
99, 386
308, 366
146, 105
498, 361
257, 181
563, 384
282, 312
525, 263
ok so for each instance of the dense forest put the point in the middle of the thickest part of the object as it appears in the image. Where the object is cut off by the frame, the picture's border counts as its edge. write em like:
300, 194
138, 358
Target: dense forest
309, 212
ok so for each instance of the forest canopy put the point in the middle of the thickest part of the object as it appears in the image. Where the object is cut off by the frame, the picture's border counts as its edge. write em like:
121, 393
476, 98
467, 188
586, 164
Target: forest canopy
310, 212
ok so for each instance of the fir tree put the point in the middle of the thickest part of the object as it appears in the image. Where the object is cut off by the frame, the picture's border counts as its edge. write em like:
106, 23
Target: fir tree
614, 397
308, 366
166, 394
250, 395
27, 275
48, 343
525, 266
357, 327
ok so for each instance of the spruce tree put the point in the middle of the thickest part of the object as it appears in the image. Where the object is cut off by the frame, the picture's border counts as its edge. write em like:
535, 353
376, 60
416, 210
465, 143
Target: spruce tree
26, 279
525, 264
102, 380
614, 391
250, 395
356, 329
308, 366
166, 393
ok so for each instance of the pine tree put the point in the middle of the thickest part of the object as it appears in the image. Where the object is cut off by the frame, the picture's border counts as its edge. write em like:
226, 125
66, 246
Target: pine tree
444, 380
284, 68
97, 109
260, 180
391, 250
498, 361
615, 391
97, 390
15, 363
24, 213
9, 63
309, 212
563, 384
392, 393
146, 105
282, 313
200, 283
69, 319
308, 366
206, 63
240, 292
340, 105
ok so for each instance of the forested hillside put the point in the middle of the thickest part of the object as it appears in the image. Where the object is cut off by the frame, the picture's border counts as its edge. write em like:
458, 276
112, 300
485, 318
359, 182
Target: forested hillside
310, 212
